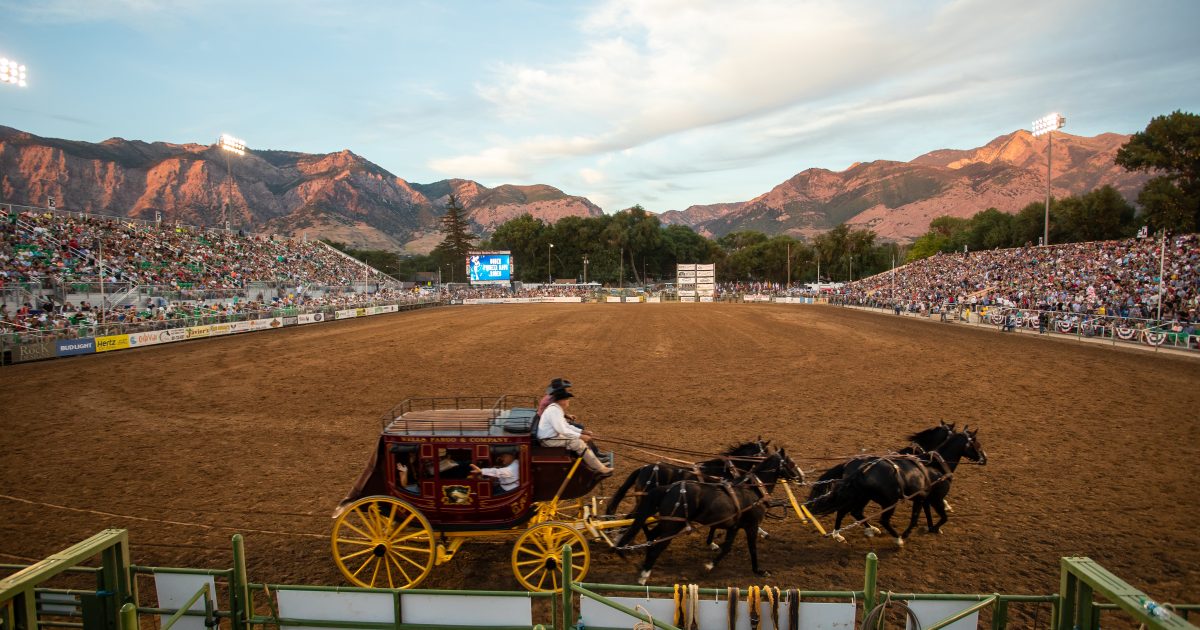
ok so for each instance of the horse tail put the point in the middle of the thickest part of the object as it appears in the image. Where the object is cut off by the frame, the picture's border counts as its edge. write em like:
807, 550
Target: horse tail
825, 495
619, 495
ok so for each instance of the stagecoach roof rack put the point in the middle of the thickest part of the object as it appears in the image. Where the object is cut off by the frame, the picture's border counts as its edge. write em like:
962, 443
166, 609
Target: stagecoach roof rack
461, 415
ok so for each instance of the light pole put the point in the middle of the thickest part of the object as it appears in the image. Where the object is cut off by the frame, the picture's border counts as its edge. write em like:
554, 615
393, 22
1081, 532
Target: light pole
1046, 125
238, 147
549, 277
585, 264
12, 72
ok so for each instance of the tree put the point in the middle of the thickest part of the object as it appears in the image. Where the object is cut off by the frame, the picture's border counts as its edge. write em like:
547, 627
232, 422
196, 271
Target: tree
458, 242
1170, 146
526, 237
1102, 214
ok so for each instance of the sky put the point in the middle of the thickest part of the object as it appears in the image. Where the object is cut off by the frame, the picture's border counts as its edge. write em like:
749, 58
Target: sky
664, 103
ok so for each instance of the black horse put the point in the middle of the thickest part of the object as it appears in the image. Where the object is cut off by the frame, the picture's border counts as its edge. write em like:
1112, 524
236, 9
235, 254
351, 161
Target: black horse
920, 443
732, 463
732, 506
889, 480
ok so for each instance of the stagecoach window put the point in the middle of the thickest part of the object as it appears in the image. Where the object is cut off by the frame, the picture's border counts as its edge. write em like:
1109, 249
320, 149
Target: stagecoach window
454, 463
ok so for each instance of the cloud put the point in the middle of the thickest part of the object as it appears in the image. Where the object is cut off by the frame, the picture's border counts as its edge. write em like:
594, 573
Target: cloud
591, 176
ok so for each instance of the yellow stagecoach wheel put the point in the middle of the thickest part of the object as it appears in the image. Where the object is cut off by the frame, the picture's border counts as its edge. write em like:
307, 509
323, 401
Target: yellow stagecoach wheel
383, 542
537, 556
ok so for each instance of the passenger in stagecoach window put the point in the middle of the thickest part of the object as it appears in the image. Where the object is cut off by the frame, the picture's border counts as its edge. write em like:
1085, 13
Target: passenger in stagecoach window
406, 473
554, 430
507, 471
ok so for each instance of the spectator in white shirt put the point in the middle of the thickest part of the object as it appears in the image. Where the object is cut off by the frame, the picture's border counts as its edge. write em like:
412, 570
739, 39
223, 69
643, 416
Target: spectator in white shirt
507, 471
554, 430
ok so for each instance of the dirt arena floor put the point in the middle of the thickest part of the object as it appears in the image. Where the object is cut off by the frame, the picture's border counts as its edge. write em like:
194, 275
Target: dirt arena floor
1092, 451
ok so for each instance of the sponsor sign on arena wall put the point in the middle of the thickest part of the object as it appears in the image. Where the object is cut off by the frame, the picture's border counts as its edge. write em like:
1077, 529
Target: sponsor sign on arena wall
346, 314
137, 340
194, 332
311, 318
35, 351
112, 342
529, 300
72, 347
266, 324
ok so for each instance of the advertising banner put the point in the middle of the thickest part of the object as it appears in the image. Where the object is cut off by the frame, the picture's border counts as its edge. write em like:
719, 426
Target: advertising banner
311, 318
390, 308
137, 340
194, 332
346, 314
290, 321
706, 298
266, 324
112, 342
238, 327
35, 351
174, 334
653, 300
612, 298
489, 267
687, 299
72, 347
219, 329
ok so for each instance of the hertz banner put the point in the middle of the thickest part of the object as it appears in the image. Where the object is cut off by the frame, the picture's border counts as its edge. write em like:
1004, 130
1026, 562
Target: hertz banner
112, 342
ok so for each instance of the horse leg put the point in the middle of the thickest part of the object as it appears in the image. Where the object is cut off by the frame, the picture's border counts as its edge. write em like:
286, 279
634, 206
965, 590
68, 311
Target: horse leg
726, 547
752, 544
856, 511
918, 503
837, 525
941, 507
655, 550
710, 541
885, 519
928, 516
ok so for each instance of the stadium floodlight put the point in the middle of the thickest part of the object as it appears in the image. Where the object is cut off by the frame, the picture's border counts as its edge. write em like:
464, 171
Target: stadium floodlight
231, 144
12, 72
1046, 126
236, 146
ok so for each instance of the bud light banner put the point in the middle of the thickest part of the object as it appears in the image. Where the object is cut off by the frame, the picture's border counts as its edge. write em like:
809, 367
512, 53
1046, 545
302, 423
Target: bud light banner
72, 347
489, 267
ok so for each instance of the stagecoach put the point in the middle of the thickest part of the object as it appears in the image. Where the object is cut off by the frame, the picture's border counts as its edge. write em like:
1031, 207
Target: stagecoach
417, 501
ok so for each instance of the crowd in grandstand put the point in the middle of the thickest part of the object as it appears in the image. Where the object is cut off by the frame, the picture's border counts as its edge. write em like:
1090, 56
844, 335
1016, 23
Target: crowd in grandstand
39, 246
51, 320
1108, 278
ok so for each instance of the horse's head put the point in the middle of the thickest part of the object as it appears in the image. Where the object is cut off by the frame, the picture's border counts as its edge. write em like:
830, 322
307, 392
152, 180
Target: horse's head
932, 438
779, 466
974, 448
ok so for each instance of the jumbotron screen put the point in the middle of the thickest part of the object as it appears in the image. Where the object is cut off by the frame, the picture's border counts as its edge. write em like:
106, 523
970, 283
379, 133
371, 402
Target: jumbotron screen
489, 267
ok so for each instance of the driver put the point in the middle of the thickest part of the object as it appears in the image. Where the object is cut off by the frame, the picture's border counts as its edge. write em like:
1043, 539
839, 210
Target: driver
554, 430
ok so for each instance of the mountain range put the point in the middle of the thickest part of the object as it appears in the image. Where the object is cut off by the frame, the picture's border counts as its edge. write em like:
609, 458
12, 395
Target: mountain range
340, 195
345, 197
898, 199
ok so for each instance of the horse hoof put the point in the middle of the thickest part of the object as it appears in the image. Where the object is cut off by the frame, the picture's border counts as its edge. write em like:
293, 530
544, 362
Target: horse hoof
840, 538
763, 573
899, 542
714, 546
870, 532
935, 531
946, 504
762, 533
708, 566
643, 577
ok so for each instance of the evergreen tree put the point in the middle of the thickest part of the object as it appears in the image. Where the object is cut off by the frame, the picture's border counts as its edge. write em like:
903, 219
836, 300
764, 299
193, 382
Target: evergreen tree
457, 243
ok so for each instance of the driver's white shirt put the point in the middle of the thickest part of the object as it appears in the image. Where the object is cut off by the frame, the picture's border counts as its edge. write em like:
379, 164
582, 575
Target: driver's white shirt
554, 425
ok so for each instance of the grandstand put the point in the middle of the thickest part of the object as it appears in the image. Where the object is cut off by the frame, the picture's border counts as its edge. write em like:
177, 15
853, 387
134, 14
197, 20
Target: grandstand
60, 271
1104, 278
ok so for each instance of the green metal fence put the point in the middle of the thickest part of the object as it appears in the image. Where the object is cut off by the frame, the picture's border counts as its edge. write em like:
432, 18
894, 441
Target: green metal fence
236, 603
